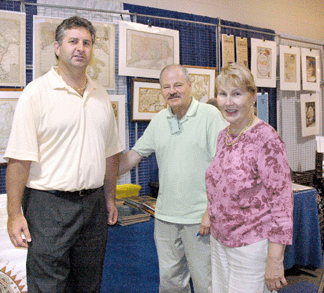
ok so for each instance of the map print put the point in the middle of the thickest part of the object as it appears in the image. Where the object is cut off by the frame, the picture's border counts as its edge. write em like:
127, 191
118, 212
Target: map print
150, 100
290, 61
264, 62
102, 65
200, 85
148, 50
12, 49
7, 108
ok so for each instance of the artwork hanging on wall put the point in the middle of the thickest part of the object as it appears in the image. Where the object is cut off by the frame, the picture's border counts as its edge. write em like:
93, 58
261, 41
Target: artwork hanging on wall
118, 103
242, 51
289, 68
228, 52
13, 49
147, 99
263, 62
202, 82
102, 66
262, 106
145, 50
311, 69
310, 114
8, 101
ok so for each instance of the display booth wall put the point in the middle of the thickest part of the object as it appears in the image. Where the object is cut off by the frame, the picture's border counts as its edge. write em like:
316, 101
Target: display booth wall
199, 46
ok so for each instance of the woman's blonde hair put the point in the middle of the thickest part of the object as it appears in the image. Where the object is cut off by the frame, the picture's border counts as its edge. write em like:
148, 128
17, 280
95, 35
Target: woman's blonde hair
236, 75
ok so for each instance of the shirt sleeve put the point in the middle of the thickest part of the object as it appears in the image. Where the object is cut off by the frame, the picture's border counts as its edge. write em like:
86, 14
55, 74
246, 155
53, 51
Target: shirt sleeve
22, 144
145, 145
275, 175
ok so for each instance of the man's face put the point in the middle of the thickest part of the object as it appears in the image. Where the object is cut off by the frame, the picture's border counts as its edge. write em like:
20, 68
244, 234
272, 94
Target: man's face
175, 89
76, 48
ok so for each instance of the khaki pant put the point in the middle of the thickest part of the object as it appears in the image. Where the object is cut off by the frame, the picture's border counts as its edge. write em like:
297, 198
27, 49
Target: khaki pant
182, 255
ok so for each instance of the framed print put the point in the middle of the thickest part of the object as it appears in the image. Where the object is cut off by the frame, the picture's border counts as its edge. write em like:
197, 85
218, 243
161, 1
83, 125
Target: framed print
310, 114
242, 51
147, 99
8, 101
202, 82
102, 65
228, 52
145, 50
13, 49
311, 69
118, 104
263, 62
289, 68
262, 106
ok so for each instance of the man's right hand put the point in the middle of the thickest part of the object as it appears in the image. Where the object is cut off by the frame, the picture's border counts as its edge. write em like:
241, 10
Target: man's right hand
17, 227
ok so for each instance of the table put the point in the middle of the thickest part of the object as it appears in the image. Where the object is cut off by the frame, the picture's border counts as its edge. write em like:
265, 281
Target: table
131, 263
131, 258
306, 249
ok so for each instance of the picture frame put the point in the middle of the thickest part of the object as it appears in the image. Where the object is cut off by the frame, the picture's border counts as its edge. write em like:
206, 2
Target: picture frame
264, 62
289, 68
311, 75
145, 50
202, 82
310, 114
147, 99
8, 101
118, 103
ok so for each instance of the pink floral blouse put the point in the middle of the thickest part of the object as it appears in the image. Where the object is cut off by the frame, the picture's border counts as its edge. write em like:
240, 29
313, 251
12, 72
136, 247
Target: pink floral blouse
249, 189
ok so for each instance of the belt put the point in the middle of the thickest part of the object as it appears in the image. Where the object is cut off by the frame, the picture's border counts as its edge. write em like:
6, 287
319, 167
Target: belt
78, 193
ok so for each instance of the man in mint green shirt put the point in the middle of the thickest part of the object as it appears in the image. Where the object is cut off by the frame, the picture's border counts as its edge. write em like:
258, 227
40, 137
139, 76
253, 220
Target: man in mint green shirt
184, 138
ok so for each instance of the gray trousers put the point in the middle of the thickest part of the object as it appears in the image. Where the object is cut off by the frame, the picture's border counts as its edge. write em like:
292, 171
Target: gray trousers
69, 236
182, 255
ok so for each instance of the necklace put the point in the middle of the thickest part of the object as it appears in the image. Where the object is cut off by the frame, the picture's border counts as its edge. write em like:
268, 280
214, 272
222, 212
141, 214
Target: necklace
239, 135
81, 89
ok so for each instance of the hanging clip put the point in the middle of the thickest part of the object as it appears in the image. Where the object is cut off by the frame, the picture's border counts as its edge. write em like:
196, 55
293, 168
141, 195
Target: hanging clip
149, 23
121, 16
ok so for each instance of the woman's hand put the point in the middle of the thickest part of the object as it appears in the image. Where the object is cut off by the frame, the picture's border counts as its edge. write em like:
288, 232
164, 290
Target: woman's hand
274, 276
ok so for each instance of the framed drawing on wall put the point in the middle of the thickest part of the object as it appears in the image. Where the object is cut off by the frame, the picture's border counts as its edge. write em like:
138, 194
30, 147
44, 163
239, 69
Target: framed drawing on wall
264, 62
102, 65
118, 104
8, 101
310, 114
289, 68
147, 99
145, 50
310, 69
12, 49
202, 82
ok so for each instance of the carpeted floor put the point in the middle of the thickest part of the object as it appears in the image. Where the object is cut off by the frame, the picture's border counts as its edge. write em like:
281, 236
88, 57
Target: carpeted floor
310, 275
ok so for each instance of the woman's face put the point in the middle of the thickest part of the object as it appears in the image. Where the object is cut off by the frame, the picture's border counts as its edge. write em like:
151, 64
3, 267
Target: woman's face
235, 105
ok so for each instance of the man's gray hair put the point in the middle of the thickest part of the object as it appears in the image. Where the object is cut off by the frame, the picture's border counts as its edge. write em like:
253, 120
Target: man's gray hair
182, 68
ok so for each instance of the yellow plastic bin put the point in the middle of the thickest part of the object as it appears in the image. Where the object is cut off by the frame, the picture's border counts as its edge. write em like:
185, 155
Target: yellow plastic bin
127, 190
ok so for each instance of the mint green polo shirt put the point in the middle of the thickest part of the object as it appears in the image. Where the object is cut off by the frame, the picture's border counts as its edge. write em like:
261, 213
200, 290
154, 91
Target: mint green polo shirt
184, 149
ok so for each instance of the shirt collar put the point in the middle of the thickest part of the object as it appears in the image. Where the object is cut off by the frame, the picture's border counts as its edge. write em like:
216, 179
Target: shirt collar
190, 112
57, 81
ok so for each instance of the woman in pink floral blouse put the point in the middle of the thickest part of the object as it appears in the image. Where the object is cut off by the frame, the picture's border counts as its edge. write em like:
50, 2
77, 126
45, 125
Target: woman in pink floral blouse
249, 192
